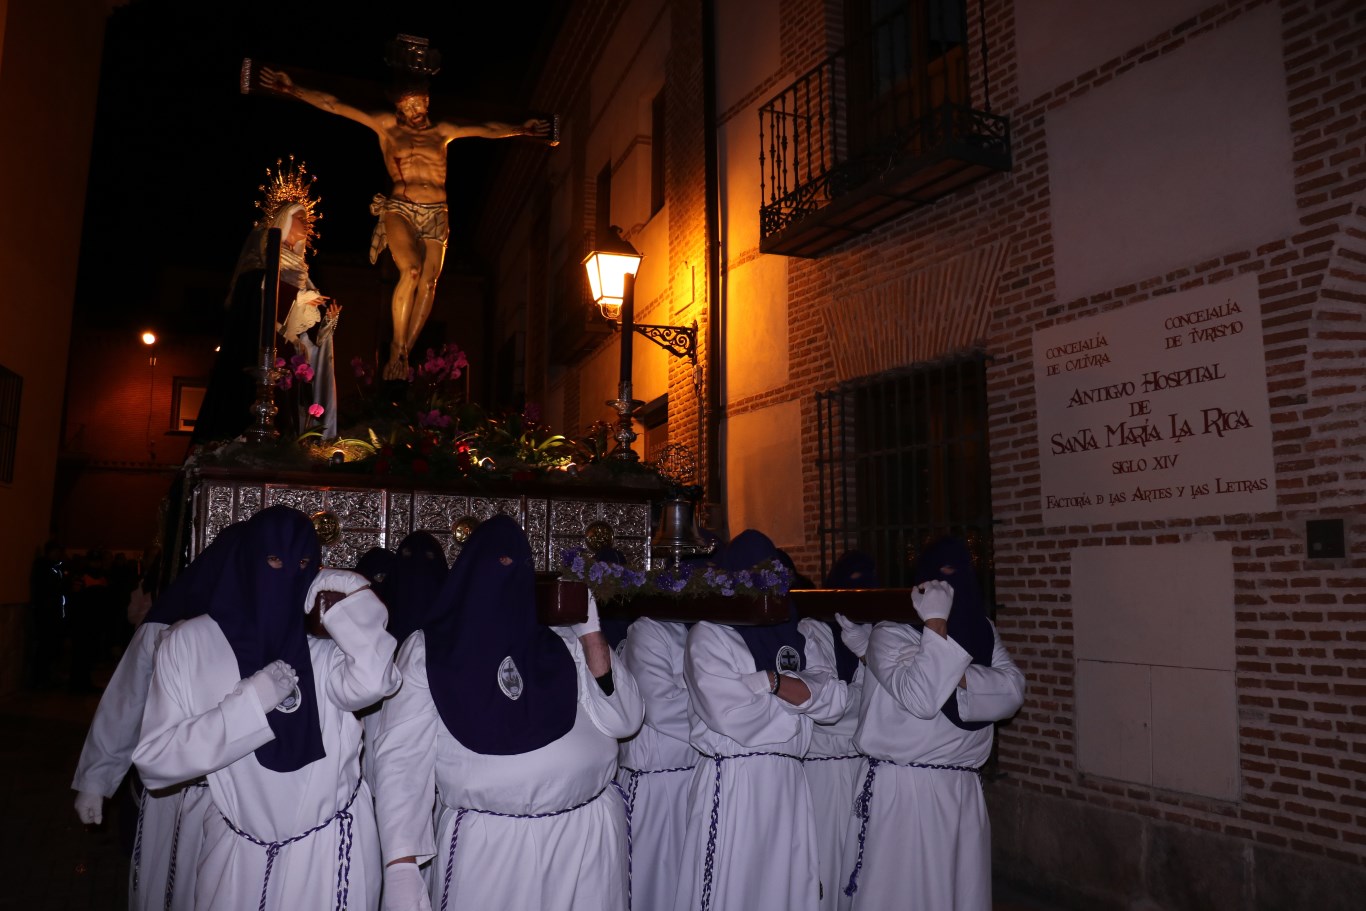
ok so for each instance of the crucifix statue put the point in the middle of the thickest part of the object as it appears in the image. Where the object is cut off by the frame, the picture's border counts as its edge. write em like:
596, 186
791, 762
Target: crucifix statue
413, 220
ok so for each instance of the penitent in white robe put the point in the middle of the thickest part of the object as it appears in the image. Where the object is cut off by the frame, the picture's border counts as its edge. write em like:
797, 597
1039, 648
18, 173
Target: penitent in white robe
928, 841
656, 763
168, 820
569, 861
764, 850
833, 765
202, 720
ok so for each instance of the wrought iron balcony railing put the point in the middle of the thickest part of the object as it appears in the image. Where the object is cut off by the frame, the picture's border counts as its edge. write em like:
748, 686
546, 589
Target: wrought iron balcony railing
880, 127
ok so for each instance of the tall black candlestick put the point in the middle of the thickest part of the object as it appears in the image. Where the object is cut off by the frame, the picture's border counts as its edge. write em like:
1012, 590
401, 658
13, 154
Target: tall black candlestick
270, 294
628, 319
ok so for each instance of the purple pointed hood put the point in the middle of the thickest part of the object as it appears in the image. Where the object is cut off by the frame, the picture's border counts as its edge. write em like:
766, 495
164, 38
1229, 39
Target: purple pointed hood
781, 647
258, 603
949, 560
503, 684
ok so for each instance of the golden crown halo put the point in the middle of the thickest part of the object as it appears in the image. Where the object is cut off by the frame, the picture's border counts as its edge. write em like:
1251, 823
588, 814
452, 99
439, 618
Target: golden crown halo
287, 185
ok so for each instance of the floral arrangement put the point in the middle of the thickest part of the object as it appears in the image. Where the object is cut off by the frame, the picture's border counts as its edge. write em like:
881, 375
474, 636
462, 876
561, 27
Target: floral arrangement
608, 580
433, 430
427, 428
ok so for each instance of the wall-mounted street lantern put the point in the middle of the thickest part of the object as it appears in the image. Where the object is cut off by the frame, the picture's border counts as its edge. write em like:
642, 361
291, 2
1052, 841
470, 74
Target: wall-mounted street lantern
612, 280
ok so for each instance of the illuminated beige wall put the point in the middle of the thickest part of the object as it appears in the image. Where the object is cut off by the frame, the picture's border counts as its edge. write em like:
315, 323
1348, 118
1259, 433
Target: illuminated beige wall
764, 473
763, 480
43, 169
756, 327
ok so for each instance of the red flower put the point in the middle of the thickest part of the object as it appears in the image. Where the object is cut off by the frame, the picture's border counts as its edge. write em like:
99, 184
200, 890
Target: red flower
381, 466
420, 466
386, 450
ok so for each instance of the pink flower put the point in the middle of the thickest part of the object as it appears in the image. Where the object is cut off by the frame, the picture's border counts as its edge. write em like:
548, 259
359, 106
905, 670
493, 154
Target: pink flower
315, 410
304, 372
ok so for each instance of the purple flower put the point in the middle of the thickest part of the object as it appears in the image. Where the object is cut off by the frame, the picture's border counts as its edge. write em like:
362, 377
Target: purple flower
434, 418
361, 369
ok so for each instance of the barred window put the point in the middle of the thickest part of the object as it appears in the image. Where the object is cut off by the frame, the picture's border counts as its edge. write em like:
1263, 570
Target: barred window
11, 391
903, 459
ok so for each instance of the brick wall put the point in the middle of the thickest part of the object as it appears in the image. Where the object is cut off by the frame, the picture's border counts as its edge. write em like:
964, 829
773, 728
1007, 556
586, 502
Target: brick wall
685, 195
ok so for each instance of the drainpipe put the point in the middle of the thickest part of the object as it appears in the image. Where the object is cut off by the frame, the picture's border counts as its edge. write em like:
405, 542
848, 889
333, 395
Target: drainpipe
716, 318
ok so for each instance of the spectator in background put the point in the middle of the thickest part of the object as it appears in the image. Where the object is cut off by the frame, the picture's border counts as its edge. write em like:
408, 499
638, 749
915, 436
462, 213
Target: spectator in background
47, 613
84, 618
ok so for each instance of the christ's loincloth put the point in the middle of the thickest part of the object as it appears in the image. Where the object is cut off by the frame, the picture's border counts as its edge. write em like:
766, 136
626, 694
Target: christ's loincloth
429, 221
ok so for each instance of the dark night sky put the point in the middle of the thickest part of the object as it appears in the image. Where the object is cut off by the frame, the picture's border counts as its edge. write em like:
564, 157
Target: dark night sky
178, 152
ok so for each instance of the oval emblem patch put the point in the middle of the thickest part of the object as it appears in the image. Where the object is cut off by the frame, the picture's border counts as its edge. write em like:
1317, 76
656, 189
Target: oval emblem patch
509, 679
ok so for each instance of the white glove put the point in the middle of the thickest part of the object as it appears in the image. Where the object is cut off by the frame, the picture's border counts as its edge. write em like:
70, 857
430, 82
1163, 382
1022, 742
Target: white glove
933, 600
90, 807
591, 625
273, 683
759, 682
334, 580
855, 636
404, 889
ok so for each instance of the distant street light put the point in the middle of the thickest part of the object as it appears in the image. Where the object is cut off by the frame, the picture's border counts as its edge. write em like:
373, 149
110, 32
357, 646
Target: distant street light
149, 338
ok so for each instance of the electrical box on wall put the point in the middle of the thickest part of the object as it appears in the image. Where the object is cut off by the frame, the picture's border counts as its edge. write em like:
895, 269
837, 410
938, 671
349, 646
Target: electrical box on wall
1325, 539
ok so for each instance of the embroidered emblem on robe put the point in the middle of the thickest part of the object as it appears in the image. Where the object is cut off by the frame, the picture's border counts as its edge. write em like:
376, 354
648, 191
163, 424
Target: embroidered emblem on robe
788, 659
509, 679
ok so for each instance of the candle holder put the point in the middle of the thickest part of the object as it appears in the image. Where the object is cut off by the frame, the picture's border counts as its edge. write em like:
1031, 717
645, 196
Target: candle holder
264, 409
626, 408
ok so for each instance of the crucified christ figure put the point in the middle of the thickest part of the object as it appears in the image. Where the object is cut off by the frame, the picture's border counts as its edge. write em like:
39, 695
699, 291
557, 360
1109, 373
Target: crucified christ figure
413, 219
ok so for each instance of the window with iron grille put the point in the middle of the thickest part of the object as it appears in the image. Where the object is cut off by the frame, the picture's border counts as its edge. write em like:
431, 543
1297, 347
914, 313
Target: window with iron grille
11, 390
903, 459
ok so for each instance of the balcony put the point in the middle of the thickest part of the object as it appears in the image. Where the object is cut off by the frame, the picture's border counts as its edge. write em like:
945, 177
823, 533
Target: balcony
882, 126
